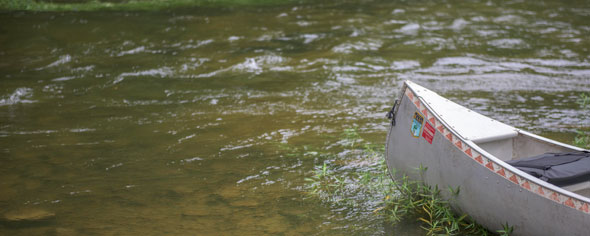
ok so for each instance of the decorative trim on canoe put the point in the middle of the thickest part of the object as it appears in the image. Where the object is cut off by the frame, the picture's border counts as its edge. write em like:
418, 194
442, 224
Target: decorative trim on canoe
491, 165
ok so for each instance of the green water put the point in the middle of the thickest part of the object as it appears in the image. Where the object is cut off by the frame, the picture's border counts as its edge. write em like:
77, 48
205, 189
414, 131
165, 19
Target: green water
205, 121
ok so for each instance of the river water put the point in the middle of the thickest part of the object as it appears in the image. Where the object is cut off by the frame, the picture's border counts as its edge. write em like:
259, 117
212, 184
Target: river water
205, 121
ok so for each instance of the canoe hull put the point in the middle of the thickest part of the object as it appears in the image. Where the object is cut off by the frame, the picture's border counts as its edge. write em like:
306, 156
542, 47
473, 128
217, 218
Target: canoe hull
488, 197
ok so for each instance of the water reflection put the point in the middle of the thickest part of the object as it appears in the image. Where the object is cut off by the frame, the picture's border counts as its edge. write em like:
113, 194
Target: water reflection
208, 120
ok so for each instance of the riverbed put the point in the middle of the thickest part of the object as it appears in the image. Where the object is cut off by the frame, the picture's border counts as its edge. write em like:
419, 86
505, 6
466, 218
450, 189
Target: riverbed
207, 120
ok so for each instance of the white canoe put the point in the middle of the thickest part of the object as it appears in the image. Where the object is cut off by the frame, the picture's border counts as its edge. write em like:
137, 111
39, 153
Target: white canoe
461, 148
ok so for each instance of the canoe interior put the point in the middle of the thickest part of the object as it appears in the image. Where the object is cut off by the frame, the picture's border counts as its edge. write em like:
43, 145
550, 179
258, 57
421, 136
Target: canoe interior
521, 146
525, 145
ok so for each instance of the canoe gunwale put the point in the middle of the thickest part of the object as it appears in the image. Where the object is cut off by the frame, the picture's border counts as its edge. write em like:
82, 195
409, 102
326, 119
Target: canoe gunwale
516, 176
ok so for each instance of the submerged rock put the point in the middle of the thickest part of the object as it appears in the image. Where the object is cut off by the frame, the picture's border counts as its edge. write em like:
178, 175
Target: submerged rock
28, 215
66, 231
249, 202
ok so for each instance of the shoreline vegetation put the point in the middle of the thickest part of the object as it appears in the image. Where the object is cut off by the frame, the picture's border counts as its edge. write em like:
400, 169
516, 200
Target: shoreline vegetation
403, 199
123, 5
391, 200
582, 139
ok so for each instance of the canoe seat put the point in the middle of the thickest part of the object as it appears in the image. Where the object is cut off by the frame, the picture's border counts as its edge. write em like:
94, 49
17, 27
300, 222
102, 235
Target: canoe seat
560, 169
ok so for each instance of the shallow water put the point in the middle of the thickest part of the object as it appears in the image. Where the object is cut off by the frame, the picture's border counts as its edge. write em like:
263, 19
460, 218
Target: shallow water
207, 120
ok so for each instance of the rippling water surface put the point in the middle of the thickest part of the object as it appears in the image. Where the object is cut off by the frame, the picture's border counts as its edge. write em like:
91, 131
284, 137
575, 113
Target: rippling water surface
207, 120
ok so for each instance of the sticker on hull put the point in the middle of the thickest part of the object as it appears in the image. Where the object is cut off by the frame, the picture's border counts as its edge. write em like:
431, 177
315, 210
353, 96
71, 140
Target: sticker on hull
417, 125
428, 132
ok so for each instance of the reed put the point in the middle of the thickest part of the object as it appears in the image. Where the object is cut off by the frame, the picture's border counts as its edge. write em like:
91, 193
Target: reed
414, 199
583, 100
402, 199
582, 138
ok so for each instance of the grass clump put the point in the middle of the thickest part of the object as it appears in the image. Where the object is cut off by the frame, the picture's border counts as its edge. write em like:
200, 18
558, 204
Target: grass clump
582, 139
394, 201
414, 199
584, 100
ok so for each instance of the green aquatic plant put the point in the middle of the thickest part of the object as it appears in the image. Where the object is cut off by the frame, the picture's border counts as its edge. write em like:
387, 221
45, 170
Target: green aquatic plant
415, 199
583, 100
507, 230
582, 138
351, 136
397, 200
324, 183
455, 191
